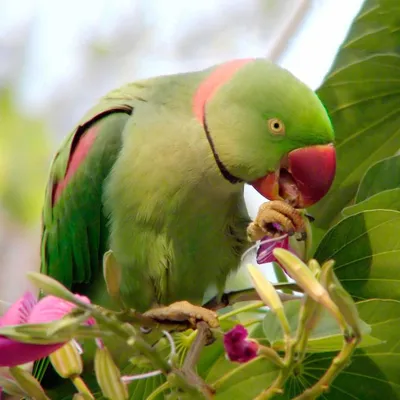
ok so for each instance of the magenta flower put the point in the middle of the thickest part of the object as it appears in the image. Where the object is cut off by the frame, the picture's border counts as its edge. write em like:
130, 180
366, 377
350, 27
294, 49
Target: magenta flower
28, 310
267, 245
237, 347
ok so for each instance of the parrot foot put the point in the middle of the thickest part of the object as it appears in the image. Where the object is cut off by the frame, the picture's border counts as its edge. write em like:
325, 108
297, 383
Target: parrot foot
288, 218
183, 311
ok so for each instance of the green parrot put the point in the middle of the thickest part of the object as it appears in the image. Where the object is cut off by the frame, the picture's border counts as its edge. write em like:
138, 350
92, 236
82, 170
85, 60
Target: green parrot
156, 173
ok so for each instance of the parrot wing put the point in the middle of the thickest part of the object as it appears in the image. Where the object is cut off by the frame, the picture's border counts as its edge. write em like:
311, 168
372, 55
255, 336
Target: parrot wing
75, 233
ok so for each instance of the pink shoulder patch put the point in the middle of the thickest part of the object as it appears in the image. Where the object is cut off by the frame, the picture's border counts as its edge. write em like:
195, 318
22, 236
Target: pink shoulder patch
76, 158
217, 78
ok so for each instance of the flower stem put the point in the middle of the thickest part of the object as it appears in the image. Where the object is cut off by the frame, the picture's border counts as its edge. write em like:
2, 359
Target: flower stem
158, 391
338, 364
248, 307
81, 386
284, 373
271, 355
308, 317
132, 339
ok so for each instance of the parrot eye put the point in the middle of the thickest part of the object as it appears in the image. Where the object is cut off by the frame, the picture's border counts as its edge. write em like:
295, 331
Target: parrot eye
276, 126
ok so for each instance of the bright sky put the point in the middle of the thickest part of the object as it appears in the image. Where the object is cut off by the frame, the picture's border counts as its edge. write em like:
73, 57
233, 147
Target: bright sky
61, 27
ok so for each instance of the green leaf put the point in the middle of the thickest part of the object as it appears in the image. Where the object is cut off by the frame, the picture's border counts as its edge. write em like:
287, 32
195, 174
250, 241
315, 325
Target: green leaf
325, 337
374, 371
362, 95
246, 380
379, 177
366, 249
388, 199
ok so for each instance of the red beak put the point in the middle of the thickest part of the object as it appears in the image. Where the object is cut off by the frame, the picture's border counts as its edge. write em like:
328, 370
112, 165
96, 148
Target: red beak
304, 176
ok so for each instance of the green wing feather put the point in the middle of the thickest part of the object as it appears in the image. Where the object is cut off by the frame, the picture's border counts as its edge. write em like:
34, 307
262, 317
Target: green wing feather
74, 236
75, 232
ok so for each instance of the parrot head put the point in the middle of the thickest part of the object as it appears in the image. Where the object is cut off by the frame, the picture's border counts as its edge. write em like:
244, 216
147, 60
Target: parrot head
268, 129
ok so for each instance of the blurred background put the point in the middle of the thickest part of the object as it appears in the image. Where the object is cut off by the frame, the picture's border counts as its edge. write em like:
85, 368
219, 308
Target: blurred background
58, 57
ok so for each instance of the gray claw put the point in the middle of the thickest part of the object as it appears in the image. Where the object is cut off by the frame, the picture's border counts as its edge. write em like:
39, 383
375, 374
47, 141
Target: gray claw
310, 217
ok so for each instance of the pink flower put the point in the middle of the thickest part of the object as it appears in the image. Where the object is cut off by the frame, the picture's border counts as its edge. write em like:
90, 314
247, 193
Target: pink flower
238, 347
27, 310
267, 245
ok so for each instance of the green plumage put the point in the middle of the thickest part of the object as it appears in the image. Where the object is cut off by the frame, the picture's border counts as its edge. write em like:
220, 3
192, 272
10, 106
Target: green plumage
150, 189
140, 176
171, 215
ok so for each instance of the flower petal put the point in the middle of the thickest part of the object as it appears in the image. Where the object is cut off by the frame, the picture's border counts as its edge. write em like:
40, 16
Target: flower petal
14, 353
247, 352
237, 347
51, 308
267, 245
19, 312
235, 335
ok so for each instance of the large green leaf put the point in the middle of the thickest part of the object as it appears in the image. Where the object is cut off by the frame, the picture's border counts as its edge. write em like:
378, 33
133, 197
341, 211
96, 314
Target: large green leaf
374, 371
246, 381
326, 336
372, 374
362, 95
383, 175
366, 248
388, 199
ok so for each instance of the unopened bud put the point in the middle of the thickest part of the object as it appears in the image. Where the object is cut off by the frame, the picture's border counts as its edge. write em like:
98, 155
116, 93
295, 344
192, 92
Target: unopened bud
112, 274
268, 295
307, 281
28, 383
67, 360
314, 267
109, 376
302, 275
325, 276
51, 286
342, 298
265, 289
310, 313
11, 387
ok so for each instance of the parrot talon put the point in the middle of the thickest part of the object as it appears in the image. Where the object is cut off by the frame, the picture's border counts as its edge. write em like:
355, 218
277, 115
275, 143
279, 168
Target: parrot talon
275, 218
183, 311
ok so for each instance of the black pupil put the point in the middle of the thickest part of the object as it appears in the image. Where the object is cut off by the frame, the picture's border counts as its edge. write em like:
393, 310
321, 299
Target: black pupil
276, 125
